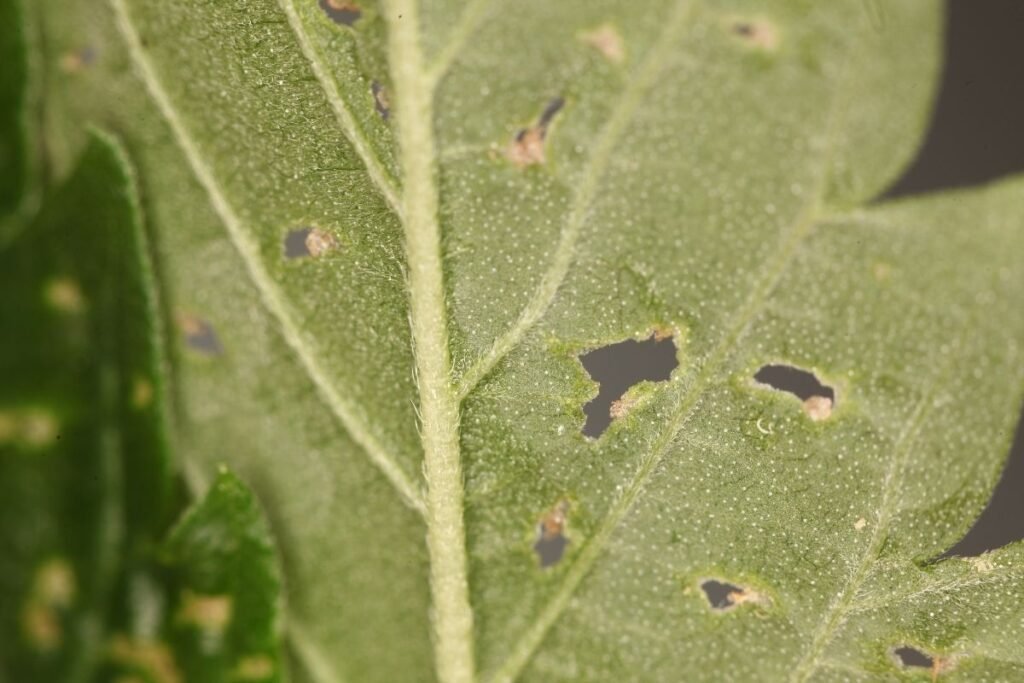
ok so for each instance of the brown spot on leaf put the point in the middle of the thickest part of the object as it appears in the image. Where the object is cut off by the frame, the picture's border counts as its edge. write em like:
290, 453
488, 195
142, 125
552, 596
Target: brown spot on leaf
527, 148
341, 11
199, 335
308, 242
380, 100
757, 33
607, 40
77, 60
551, 540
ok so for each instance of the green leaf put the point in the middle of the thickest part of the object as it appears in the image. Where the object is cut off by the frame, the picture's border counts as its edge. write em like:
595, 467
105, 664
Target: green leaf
213, 613
83, 464
13, 90
487, 190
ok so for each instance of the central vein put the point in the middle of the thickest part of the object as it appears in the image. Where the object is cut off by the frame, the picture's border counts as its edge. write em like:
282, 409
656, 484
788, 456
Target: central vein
438, 402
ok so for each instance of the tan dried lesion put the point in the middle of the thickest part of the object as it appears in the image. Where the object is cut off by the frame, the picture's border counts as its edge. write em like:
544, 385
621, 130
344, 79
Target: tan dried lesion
818, 408
607, 40
528, 146
319, 242
153, 658
211, 614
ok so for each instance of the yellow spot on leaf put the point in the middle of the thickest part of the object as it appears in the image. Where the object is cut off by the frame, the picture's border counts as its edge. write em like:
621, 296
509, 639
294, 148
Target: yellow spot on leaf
142, 393
860, 524
254, 668
53, 590
153, 658
210, 613
55, 583
65, 295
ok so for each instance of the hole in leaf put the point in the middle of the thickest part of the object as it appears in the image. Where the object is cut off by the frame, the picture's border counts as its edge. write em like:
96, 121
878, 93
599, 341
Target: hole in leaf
527, 149
818, 398
303, 242
380, 100
341, 11
617, 367
912, 657
551, 540
199, 335
723, 596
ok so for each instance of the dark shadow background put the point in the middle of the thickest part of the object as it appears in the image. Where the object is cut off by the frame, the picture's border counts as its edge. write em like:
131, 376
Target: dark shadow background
975, 136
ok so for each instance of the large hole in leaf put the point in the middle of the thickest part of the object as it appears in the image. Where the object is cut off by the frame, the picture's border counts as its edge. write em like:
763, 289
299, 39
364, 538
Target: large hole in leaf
616, 368
818, 399
911, 657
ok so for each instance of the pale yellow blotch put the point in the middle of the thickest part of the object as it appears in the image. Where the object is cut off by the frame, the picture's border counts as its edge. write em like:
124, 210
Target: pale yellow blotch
210, 613
38, 429
55, 583
860, 524
142, 393
319, 242
881, 271
757, 33
152, 657
64, 295
53, 589
254, 668
607, 40
818, 408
